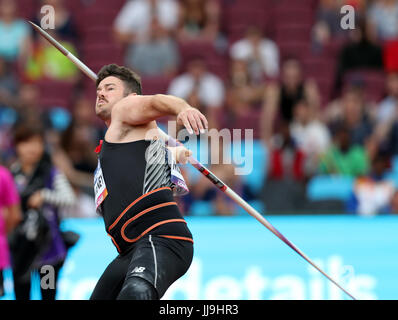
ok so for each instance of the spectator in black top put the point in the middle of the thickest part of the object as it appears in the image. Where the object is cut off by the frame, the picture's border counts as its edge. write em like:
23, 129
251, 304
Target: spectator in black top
362, 51
280, 98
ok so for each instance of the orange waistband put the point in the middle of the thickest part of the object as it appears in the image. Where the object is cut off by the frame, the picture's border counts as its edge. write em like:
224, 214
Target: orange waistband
132, 204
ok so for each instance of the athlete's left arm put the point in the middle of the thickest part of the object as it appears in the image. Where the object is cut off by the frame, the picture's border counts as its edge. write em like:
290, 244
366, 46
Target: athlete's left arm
142, 109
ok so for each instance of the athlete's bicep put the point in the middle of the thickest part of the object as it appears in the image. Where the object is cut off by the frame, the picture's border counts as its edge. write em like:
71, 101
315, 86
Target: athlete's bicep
135, 110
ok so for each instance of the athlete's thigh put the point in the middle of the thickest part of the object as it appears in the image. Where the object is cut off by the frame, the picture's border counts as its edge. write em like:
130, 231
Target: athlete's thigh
160, 261
111, 281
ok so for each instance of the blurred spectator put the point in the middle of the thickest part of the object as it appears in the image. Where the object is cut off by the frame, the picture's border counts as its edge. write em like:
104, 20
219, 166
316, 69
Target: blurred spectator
328, 15
240, 77
311, 135
284, 189
199, 20
394, 203
155, 56
43, 190
361, 52
8, 84
261, 54
239, 112
353, 112
10, 216
385, 132
387, 109
133, 21
372, 194
65, 25
390, 142
78, 143
28, 104
240, 80
74, 154
200, 88
383, 14
16, 42
280, 98
320, 36
84, 206
81, 134
243, 100
8, 115
47, 62
344, 157
225, 171
25, 107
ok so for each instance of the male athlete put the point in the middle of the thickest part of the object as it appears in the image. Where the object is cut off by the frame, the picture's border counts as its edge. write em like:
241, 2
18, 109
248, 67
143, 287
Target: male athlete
134, 185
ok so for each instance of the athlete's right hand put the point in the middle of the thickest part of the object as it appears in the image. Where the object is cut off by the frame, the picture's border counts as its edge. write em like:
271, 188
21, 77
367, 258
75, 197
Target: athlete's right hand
181, 154
192, 118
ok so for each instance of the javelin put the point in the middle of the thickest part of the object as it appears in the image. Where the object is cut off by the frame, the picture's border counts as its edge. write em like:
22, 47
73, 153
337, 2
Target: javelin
206, 172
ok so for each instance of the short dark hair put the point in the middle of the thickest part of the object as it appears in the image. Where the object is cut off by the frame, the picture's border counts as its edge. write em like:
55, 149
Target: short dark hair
25, 131
131, 80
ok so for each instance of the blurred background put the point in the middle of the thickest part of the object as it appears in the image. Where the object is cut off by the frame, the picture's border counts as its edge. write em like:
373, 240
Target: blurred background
321, 100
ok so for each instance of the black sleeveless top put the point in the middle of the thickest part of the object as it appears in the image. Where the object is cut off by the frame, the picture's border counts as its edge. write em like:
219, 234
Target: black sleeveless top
140, 193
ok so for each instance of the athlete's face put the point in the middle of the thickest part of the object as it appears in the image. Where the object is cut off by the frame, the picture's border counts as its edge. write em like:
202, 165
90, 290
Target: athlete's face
109, 91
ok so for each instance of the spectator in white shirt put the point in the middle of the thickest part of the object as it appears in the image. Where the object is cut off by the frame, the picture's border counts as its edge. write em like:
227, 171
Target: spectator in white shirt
389, 106
198, 84
156, 56
387, 112
134, 20
261, 53
311, 135
384, 15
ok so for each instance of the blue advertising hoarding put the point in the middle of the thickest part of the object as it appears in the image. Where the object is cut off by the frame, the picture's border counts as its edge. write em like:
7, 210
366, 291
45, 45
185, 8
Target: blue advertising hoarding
238, 258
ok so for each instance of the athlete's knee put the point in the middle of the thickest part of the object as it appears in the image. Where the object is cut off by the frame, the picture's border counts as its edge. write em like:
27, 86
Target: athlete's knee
136, 288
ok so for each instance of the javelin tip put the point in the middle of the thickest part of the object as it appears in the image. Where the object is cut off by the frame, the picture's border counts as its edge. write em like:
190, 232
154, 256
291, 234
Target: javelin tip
34, 25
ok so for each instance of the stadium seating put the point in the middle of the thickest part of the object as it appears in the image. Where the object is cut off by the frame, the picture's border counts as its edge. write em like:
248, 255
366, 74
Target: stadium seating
372, 80
328, 187
55, 93
216, 61
155, 84
201, 208
258, 155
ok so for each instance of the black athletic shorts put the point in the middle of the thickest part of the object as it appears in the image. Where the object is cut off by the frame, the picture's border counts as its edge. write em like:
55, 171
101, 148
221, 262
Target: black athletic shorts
160, 261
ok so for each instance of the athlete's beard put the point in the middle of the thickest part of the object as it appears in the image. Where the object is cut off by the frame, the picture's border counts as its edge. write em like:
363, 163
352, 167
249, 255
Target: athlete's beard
104, 113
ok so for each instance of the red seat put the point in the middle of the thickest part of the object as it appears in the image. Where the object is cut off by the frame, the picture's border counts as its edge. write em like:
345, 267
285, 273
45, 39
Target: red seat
154, 85
97, 55
97, 36
94, 17
55, 93
245, 16
292, 48
288, 14
27, 8
298, 32
216, 62
113, 6
391, 56
319, 66
296, 4
372, 80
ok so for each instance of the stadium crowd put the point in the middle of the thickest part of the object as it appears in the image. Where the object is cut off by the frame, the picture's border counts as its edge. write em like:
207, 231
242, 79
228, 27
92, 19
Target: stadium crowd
321, 99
